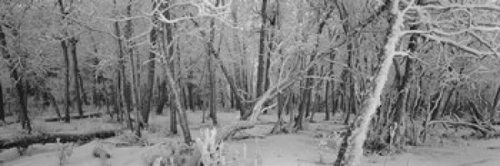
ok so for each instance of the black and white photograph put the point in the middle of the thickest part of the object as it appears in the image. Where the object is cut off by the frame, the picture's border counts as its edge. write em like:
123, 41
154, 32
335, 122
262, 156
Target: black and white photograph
249, 82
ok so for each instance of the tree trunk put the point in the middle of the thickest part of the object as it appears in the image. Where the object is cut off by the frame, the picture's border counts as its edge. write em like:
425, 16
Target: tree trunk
64, 46
190, 96
359, 129
211, 72
146, 104
53, 101
2, 111
493, 112
84, 98
135, 88
22, 93
19, 82
66, 81
163, 97
261, 78
73, 42
181, 112
327, 99
282, 102
212, 98
173, 114
134, 93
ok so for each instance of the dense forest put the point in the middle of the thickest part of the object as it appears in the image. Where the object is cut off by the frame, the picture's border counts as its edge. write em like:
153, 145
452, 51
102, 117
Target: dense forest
360, 78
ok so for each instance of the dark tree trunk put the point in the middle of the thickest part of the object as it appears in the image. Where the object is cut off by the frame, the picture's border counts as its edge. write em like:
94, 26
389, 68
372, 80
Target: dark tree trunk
20, 83
126, 96
315, 107
2, 111
181, 112
21, 87
135, 78
96, 97
115, 97
120, 84
327, 99
212, 98
300, 115
106, 98
211, 71
163, 98
440, 110
282, 103
73, 42
64, 46
84, 98
261, 78
173, 115
146, 104
190, 96
493, 112
116, 90
53, 102
153, 37
66, 81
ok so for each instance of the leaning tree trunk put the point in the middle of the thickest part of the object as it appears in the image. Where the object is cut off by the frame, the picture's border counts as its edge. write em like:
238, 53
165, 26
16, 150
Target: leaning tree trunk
84, 98
177, 100
359, 129
53, 102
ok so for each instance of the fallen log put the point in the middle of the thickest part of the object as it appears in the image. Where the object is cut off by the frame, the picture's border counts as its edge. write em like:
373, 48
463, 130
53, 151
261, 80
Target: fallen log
43, 138
225, 132
92, 115
486, 130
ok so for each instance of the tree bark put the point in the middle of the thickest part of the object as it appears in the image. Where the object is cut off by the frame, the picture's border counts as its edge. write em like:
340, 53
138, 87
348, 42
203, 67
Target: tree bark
146, 104
19, 82
134, 64
2, 105
163, 97
43, 138
121, 84
53, 100
212, 98
72, 43
66, 81
64, 46
327, 99
211, 71
84, 98
359, 129
181, 112
261, 78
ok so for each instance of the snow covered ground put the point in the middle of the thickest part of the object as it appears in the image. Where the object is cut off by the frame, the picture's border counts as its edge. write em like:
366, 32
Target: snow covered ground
273, 150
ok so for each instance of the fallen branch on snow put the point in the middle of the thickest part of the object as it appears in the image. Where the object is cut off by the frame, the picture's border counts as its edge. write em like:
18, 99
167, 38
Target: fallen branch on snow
43, 138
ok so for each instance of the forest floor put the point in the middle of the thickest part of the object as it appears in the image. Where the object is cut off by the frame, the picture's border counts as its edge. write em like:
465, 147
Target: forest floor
302, 148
